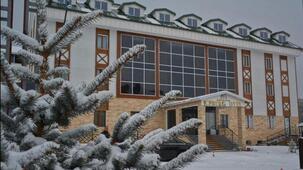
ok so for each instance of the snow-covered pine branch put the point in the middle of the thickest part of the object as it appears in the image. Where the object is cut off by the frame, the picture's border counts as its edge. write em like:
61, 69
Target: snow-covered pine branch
118, 126
24, 73
53, 83
78, 132
138, 119
184, 158
29, 58
20, 38
58, 71
41, 20
112, 68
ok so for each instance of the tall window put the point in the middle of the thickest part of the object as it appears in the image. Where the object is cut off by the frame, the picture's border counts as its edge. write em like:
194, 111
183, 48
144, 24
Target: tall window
138, 75
282, 38
182, 68
243, 31
270, 90
221, 65
218, 27
100, 118
271, 122
249, 121
164, 17
192, 22
246, 61
224, 120
247, 87
171, 118
134, 11
264, 35
268, 63
101, 5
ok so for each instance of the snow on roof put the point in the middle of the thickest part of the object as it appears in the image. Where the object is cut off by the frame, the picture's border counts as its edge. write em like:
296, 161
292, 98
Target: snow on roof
122, 16
233, 34
152, 20
181, 25
208, 30
208, 97
258, 39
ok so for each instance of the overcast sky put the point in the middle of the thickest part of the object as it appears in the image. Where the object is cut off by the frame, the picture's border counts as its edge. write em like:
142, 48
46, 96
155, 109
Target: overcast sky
276, 15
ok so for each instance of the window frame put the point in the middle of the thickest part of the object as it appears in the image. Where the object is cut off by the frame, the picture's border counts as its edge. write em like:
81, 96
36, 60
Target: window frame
192, 22
249, 121
243, 30
157, 43
134, 11
218, 27
163, 17
262, 35
100, 118
282, 38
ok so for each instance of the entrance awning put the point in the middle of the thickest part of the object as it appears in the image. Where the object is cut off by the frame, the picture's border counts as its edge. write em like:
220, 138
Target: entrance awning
218, 99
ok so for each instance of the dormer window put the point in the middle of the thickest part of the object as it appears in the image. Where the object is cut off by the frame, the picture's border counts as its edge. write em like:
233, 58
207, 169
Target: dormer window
164, 17
134, 12
282, 38
192, 22
101, 5
264, 35
218, 27
243, 31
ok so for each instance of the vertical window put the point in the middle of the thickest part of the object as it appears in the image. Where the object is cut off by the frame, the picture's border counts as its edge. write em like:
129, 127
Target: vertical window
102, 41
224, 120
282, 38
243, 31
218, 27
246, 61
247, 88
101, 5
138, 75
66, 2
268, 63
192, 22
134, 12
283, 65
271, 122
285, 91
164, 17
249, 121
182, 68
171, 118
221, 70
264, 35
100, 118
270, 90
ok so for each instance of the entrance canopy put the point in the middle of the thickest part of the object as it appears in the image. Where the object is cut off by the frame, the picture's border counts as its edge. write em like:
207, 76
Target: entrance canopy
218, 99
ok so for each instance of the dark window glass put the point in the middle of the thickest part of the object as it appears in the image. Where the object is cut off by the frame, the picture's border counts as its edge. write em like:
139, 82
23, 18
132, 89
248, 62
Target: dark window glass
126, 41
149, 57
221, 65
138, 40
189, 80
231, 83
221, 54
149, 89
230, 66
138, 75
188, 70
165, 46
229, 55
213, 81
150, 44
189, 92
200, 91
199, 51
166, 68
165, 77
222, 83
126, 74
188, 61
171, 118
200, 81
165, 58
138, 65
177, 48
199, 63
126, 87
188, 49
176, 69
137, 88
212, 53
177, 60
164, 89
149, 76
177, 79
213, 64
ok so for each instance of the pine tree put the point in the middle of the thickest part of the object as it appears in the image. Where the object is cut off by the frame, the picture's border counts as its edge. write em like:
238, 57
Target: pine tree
30, 120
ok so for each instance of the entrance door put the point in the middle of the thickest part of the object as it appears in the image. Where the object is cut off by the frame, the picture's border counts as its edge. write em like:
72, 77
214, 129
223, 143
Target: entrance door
210, 118
188, 113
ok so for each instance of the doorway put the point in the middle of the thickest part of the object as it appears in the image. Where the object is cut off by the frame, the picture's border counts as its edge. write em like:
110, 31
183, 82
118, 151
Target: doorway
210, 120
188, 113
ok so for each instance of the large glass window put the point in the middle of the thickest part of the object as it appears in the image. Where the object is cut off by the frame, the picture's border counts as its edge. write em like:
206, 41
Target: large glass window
221, 64
138, 75
182, 68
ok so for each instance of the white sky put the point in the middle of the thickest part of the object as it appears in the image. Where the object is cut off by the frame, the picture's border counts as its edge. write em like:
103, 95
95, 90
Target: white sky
276, 15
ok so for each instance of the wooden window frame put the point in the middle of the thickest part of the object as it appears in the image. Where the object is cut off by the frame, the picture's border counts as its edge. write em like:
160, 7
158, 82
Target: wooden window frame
270, 99
286, 106
247, 78
157, 69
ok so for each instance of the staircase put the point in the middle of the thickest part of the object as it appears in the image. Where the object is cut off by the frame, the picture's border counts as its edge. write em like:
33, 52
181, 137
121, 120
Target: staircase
281, 138
219, 142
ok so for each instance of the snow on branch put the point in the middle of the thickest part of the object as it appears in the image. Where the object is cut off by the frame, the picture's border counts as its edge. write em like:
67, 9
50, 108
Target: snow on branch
41, 20
53, 83
7, 121
17, 160
30, 58
24, 73
179, 129
112, 68
138, 119
118, 126
184, 158
78, 132
58, 71
18, 37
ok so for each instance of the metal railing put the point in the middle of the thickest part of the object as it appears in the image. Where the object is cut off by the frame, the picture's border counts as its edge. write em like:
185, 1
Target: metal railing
229, 134
285, 133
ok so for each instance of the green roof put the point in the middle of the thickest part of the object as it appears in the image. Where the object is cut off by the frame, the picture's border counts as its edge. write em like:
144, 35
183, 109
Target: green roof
280, 32
189, 15
260, 29
237, 25
215, 19
162, 9
131, 3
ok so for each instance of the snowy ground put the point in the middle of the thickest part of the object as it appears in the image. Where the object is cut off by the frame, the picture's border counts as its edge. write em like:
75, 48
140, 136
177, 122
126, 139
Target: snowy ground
265, 158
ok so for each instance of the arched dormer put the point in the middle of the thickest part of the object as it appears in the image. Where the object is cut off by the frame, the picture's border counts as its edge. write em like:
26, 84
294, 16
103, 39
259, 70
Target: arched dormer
133, 9
163, 15
190, 20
